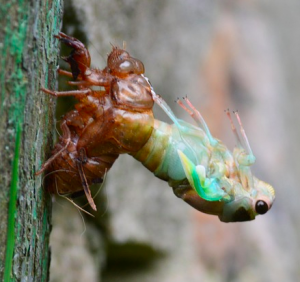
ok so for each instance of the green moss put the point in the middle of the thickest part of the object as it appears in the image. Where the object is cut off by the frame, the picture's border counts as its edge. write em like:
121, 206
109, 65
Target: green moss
12, 207
14, 45
25, 30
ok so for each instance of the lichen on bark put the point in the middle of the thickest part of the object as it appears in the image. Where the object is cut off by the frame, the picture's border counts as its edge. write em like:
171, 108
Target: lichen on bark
28, 55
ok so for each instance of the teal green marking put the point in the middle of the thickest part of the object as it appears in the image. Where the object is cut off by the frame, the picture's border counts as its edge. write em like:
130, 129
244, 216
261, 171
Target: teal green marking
12, 207
209, 193
197, 184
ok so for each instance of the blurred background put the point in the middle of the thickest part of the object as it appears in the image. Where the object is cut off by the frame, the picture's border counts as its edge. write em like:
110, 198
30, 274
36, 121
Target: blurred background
237, 54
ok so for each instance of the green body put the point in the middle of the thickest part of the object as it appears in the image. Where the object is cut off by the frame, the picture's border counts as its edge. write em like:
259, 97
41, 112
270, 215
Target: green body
203, 173
160, 156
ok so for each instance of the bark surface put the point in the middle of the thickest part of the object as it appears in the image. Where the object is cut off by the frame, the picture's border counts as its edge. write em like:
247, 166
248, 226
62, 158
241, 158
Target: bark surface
28, 60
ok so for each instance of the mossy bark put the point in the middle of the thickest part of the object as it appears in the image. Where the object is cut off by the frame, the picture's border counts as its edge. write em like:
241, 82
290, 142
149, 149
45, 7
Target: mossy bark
28, 60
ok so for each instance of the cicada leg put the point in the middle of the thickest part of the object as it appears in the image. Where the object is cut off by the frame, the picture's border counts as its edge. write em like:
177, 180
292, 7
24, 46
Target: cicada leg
80, 92
246, 156
82, 159
196, 115
66, 138
64, 72
244, 136
165, 107
79, 59
79, 83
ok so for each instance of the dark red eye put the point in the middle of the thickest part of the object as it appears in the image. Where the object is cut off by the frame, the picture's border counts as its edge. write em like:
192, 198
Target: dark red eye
261, 207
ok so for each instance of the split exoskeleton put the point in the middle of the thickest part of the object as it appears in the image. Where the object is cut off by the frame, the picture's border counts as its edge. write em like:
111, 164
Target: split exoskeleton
118, 119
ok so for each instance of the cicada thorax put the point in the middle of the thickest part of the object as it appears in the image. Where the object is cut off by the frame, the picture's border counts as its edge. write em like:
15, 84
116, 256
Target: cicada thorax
123, 119
122, 123
126, 122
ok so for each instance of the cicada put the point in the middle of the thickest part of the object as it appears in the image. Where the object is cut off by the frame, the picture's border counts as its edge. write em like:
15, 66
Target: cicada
118, 119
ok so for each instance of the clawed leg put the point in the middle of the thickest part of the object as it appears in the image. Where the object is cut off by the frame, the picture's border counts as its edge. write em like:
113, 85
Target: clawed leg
79, 59
82, 159
74, 43
65, 73
80, 83
66, 138
75, 93
197, 117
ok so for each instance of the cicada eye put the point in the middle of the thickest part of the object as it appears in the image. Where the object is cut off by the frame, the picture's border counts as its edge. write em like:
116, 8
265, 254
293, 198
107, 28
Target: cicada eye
261, 207
125, 66
116, 56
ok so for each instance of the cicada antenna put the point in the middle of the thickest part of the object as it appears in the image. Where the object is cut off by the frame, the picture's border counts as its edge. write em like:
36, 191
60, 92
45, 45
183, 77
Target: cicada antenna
77, 206
98, 52
112, 46
72, 202
107, 198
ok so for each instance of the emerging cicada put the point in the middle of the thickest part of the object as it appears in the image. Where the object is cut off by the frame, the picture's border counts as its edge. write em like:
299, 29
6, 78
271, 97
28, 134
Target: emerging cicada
118, 119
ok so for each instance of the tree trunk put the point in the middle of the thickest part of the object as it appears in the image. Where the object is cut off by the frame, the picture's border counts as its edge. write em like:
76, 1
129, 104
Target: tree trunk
28, 53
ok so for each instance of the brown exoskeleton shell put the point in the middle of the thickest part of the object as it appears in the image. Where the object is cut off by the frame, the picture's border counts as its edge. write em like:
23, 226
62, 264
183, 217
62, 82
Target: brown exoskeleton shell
104, 123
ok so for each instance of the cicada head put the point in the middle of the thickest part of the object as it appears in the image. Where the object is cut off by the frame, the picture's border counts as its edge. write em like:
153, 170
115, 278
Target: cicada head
249, 196
227, 185
238, 196
244, 204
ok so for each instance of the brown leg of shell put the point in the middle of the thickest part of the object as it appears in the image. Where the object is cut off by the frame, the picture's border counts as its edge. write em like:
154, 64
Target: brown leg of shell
80, 161
68, 93
65, 73
79, 59
67, 138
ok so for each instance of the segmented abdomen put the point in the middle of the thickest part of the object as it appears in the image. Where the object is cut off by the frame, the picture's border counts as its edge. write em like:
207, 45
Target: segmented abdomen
160, 155
153, 153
